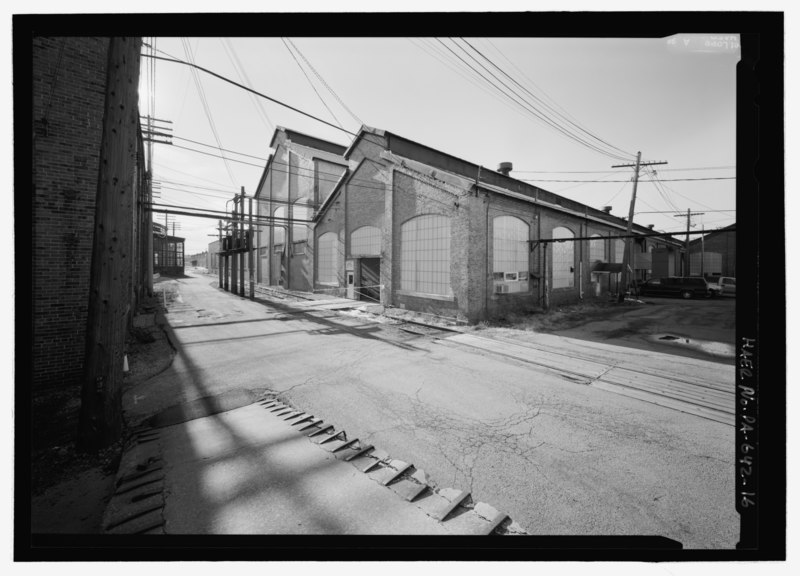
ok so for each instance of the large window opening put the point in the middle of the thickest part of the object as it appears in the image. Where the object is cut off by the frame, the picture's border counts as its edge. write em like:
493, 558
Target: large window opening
425, 255
365, 241
279, 234
301, 213
510, 254
597, 249
563, 258
327, 259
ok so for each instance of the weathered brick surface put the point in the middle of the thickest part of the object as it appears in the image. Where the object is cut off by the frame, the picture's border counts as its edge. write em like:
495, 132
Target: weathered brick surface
69, 90
69, 76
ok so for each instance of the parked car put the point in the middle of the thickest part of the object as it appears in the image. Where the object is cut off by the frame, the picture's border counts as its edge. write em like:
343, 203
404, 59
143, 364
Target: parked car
683, 286
722, 285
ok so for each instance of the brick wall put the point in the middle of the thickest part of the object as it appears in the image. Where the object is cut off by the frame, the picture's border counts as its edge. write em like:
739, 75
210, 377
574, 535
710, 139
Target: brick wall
69, 90
69, 76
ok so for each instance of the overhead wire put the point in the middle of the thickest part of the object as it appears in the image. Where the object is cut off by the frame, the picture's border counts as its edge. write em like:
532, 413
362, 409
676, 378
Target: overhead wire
321, 99
447, 59
526, 77
324, 83
242, 73
201, 92
527, 105
570, 121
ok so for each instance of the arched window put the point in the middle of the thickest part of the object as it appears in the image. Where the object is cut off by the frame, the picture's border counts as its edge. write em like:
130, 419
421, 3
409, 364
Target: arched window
597, 249
510, 254
280, 222
300, 214
425, 255
563, 258
619, 250
365, 241
327, 258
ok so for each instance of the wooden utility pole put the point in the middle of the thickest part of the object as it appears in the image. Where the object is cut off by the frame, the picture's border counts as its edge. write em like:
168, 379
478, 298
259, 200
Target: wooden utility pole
626, 256
100, 422
250, 253
686, 268
240, 254
232, 247
219, 254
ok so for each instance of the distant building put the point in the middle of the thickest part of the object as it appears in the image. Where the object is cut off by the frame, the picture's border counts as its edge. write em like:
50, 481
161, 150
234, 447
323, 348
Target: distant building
168, 252
297, 178
714, 254
213, 257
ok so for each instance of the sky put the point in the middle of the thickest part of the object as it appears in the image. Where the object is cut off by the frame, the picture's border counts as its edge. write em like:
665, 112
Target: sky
667, 100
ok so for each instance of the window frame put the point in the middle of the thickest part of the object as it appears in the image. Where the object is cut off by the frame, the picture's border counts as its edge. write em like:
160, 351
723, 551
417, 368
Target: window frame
428, 272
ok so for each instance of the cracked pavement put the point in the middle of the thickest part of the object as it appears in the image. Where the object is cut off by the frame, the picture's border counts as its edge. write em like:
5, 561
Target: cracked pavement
557, 455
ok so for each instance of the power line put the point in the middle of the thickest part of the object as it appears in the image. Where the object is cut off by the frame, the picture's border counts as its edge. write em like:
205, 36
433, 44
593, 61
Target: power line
224, 149
242, 73
229, 81
217, 156
673, 211
579, 127
605, 181
310, 82
201, 92
325, 84
614, 172
525, 104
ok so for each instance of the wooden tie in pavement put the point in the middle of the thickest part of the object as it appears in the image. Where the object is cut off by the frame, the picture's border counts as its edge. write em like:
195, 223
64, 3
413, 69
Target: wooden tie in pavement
449, 506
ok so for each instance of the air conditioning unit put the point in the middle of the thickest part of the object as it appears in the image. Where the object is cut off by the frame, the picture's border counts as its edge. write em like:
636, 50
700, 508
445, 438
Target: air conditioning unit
501, 289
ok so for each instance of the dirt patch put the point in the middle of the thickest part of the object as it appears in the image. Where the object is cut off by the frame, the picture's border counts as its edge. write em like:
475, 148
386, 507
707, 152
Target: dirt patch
70, 490
558, 318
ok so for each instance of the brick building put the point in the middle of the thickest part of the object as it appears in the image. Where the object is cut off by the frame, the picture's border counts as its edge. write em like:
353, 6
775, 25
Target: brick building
405, 225
298, 176
68, 97
714, 254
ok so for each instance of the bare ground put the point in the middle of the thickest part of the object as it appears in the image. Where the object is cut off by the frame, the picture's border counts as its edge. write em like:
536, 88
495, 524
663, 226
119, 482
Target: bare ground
70, 490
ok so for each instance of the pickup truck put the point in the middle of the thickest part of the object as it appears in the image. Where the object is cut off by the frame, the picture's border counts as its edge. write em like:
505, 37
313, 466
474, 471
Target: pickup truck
722, 285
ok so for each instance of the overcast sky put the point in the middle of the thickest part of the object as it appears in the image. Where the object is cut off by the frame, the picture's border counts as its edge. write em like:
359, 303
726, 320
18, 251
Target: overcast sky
672, 102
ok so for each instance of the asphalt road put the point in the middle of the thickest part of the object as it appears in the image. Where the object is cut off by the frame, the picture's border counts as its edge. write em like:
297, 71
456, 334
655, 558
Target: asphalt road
664, 324
558, 456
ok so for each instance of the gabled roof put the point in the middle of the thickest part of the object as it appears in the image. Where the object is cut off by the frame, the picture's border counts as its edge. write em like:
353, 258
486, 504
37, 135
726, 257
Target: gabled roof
325, 203
729, 229
306, 140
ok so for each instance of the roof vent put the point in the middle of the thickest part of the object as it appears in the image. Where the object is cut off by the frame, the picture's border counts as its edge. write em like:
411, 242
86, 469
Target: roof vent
505, 167
650, 226
607, 209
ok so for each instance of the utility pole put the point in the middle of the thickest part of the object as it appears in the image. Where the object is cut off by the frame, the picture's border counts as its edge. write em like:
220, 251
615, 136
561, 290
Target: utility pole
242, 233
250, 253
232, 247
100, 421
626, 256
219, 254
686, 269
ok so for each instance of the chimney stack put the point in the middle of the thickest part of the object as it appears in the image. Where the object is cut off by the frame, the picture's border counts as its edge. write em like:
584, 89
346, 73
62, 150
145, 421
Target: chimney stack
505, 167
650, 226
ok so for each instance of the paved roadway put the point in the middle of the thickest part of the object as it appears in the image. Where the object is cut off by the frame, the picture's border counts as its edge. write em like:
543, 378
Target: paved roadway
558, 456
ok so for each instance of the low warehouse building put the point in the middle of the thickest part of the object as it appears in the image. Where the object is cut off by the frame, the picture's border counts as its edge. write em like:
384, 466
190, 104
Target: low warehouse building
391, 221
